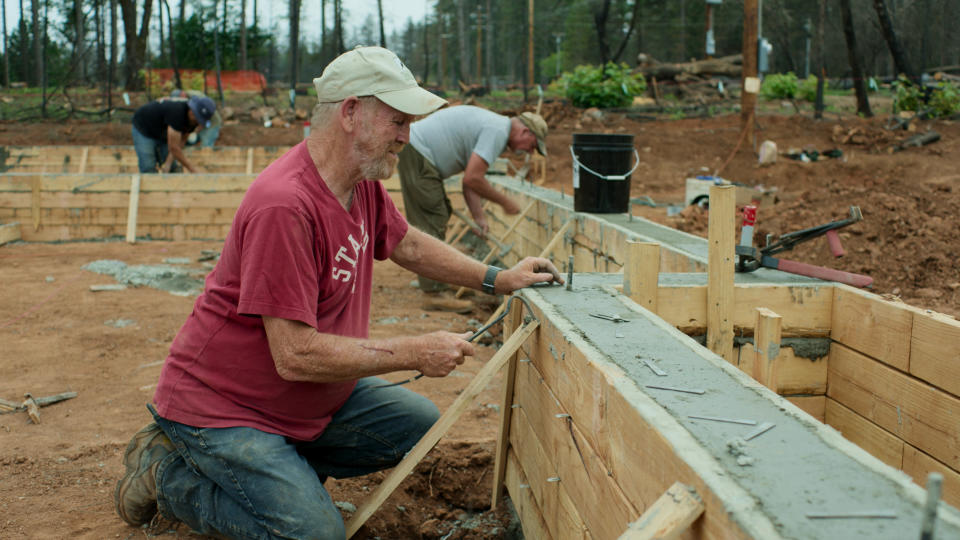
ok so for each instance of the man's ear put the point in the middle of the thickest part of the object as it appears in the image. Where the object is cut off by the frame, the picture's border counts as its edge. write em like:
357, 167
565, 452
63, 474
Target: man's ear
349, 113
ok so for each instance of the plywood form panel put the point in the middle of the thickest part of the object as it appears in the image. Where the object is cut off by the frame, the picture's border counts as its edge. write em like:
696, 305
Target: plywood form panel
911, 409
582, 472
558, 510
622, 439
867, 435
867, 323
935, 350
523, 501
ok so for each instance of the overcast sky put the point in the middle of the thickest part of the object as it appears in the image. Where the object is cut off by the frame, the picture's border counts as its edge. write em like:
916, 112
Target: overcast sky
395, 14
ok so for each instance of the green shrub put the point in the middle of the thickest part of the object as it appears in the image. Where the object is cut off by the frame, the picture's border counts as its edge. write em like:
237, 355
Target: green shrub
612, 86
779, 86
945, 100
808, 88
906, 95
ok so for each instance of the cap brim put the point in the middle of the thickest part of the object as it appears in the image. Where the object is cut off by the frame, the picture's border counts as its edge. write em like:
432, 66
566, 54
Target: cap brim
413, 100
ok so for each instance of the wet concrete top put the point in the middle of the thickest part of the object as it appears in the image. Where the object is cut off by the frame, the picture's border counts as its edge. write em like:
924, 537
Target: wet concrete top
798, 468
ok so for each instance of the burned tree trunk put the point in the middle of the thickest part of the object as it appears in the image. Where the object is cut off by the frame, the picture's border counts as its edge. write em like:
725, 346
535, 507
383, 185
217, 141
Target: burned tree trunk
893, 42
859, 85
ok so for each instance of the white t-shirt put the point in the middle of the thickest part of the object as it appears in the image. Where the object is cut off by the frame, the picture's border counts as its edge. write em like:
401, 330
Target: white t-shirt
448, 137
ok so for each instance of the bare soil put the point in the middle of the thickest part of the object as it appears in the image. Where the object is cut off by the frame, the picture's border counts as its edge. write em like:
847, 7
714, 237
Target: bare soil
57, 477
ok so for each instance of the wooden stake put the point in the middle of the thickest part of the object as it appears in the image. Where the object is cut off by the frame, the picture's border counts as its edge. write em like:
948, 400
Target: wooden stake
506, 402
83, 160
668, 517
492, 252
35, 184
250, 160
641, 273
720, 270
767, 347
132, 209
464, 400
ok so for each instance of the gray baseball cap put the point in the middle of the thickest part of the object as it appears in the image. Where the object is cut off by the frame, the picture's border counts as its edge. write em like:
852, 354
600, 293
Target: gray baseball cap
375, 71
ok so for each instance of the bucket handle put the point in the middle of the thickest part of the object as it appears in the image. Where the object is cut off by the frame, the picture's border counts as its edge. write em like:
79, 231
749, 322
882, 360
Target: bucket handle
636, 163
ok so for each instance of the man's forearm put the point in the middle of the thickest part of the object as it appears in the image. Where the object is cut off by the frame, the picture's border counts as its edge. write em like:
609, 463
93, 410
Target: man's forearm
482, 187
303, 354
428, 256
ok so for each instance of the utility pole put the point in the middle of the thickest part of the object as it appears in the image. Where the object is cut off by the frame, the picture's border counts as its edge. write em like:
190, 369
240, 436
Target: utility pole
750, 82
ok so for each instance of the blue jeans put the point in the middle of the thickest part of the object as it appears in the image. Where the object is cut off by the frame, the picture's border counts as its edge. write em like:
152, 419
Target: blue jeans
150, 152
245, 483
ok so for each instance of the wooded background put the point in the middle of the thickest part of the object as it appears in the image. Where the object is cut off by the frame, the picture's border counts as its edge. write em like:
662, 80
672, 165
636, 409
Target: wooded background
106, 43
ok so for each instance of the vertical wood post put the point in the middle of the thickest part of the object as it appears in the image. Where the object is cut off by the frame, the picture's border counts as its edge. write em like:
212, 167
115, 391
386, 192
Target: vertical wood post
506, 403
720, 270
766, 344
641, 273
751, 84
133, 208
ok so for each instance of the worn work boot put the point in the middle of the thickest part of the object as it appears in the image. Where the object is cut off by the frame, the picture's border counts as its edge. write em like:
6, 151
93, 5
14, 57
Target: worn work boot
443, 302
136, 494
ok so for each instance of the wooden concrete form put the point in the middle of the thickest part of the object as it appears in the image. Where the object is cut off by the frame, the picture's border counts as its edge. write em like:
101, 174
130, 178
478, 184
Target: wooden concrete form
123, 159
590, 446
56, 203
885, 374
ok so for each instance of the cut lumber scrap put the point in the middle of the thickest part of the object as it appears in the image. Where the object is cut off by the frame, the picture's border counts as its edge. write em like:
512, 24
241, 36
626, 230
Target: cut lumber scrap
668, 517
437, 431
9, 232
33, 409
11, 406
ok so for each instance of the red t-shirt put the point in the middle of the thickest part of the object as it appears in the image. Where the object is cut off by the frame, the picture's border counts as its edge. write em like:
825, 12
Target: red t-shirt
292, 252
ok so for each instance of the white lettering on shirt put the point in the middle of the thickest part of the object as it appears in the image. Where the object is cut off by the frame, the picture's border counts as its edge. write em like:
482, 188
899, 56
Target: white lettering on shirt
350, 256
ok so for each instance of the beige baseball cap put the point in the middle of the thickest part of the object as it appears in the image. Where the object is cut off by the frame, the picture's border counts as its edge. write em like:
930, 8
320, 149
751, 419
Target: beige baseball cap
375, 71
538, 126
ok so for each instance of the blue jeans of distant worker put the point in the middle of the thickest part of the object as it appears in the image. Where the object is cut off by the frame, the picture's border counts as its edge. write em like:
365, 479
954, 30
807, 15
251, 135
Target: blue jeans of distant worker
150, 152
245, 483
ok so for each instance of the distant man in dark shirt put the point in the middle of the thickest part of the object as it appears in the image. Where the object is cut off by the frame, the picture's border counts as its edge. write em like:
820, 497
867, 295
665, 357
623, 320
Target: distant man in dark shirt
160, 130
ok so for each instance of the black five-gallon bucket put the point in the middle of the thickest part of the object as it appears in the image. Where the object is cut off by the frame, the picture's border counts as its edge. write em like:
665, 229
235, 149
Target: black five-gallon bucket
602, 164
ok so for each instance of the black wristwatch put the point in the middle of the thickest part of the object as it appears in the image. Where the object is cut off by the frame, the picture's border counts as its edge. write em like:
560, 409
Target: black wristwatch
489, 279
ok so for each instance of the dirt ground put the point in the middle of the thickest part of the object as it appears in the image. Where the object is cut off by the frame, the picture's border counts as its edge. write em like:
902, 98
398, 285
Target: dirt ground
56, 478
